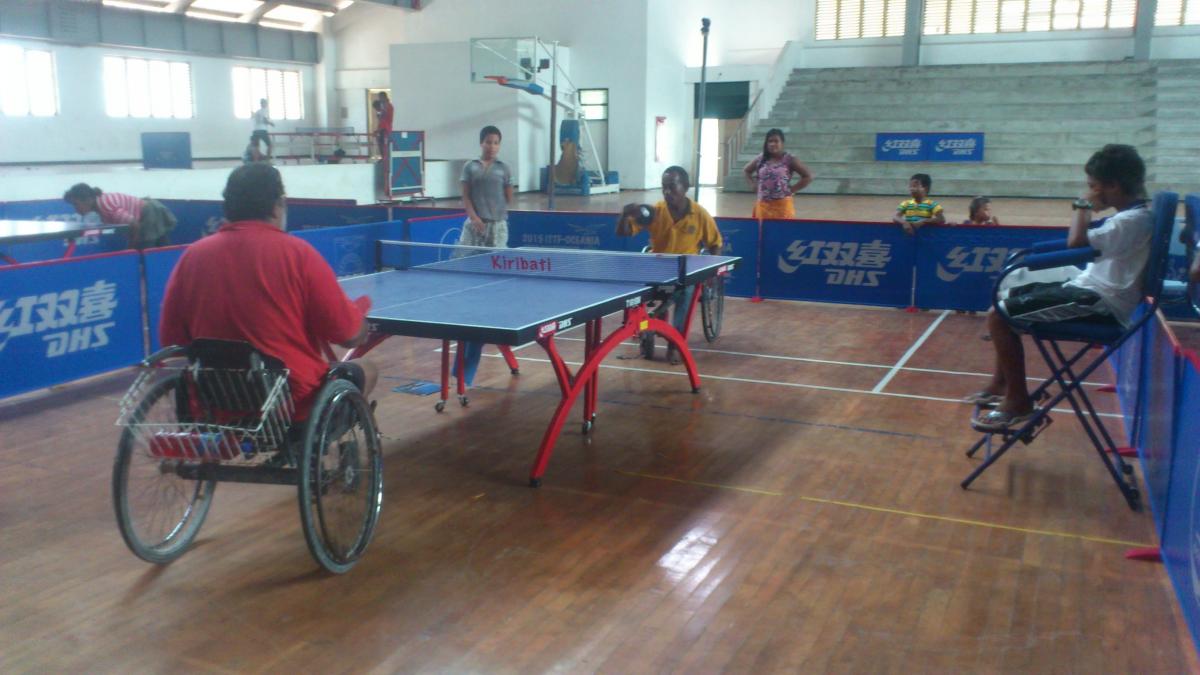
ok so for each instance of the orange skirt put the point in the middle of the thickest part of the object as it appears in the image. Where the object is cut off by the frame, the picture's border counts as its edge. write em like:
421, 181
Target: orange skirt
774, 209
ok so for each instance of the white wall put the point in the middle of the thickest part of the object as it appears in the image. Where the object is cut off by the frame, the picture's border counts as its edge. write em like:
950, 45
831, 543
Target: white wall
607, 41
453, 116
83, 132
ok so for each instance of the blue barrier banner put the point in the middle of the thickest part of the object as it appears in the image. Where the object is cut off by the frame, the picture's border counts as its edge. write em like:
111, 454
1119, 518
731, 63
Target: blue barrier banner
1180, 543
741, 239
407, 212
947, 147
60, 321
159, 264
1158, 384
859, 263
305, 216
901, 148
195, 218
565, 230
436, 229
958, 265
42, 209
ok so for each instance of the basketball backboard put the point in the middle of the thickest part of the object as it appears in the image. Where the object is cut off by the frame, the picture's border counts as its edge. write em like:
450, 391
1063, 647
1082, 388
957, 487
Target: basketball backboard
516, 59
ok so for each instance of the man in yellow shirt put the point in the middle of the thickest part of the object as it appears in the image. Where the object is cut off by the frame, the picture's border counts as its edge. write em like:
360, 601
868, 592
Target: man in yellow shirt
677, 225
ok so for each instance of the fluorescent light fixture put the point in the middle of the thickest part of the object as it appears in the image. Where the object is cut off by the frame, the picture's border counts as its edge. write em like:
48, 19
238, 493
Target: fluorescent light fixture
214, 16
281, 25
344, 4
239, 7
140, 6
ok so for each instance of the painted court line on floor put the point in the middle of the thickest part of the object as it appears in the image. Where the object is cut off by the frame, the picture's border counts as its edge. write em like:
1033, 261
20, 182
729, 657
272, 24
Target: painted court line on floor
897, 512
797, 385
909, 354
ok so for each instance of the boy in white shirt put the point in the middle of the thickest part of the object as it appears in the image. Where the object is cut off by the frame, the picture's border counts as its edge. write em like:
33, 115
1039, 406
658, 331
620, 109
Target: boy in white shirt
1107, 291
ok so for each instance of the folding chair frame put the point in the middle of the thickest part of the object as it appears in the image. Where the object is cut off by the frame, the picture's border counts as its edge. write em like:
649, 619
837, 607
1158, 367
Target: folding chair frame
1063, 368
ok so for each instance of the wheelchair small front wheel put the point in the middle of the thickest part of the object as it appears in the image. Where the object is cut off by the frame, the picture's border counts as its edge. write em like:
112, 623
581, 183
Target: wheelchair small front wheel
341, 477
158, 512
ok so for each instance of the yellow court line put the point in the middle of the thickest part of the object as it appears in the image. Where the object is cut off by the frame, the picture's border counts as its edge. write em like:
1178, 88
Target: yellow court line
899, 512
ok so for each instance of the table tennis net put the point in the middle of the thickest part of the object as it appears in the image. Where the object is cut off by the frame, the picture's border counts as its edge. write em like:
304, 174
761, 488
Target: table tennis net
547, 263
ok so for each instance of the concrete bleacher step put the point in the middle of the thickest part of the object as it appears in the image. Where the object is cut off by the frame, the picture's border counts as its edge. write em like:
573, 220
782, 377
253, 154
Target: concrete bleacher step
1071, 69
799, 124
998, 154
898, 110
1041, 120
881, 96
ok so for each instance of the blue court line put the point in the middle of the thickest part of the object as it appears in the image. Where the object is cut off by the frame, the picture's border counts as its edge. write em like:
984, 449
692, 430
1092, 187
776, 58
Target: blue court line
718, 413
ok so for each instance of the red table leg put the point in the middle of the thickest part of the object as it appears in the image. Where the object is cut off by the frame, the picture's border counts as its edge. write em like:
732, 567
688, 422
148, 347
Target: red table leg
460, 361
506, 352
636, 320
441, 405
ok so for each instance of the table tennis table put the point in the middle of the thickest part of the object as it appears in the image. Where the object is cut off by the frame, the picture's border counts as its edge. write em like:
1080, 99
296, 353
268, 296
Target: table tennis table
511, 297
25, 231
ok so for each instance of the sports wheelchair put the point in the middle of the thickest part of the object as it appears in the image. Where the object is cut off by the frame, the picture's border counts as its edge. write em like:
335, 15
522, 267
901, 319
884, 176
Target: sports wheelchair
712, 308
219, 410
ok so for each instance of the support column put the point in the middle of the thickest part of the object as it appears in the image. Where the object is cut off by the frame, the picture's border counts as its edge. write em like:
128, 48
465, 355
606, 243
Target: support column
1143, 29
914, 11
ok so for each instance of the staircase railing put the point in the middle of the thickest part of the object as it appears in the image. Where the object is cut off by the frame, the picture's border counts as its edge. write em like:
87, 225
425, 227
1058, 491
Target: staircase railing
764, 100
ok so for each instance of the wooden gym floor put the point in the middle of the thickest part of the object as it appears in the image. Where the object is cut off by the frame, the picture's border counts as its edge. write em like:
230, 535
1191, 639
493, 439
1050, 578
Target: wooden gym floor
802, 513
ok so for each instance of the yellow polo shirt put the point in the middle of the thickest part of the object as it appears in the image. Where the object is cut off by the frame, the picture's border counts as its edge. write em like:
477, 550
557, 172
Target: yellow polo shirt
685, 235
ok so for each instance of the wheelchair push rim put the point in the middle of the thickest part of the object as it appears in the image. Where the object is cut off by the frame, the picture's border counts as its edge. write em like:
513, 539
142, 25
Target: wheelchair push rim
341, 477
712, 307
158, 512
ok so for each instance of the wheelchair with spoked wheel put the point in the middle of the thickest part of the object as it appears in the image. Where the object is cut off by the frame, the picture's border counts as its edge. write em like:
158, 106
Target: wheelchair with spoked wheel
219, 410
711, 302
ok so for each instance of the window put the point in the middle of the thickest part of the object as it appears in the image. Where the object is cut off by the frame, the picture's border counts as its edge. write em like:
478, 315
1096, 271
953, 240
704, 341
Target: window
851, 19
281, 88
594, 103
147, 88
1177, 13
27, 82
958, 17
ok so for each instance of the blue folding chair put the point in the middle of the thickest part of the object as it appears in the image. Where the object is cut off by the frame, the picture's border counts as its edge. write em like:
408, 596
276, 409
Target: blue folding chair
1069, 372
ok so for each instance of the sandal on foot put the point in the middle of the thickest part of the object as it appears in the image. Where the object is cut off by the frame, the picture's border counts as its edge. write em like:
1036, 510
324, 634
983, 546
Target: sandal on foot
1000, 420
984, 399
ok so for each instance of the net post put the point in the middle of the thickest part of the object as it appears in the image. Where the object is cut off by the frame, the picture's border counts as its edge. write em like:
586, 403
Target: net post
378, 256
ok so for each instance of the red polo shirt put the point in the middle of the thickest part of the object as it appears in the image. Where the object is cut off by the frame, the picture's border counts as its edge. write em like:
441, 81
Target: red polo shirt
251, 281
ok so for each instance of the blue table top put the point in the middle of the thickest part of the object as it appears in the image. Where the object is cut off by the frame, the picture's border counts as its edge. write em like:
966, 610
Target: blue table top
462, 299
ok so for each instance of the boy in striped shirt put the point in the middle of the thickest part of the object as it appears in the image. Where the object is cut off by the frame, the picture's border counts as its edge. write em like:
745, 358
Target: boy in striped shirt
920, 210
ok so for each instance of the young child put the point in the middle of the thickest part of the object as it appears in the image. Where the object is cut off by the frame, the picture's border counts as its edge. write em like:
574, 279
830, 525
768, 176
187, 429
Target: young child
980, 212
920, 210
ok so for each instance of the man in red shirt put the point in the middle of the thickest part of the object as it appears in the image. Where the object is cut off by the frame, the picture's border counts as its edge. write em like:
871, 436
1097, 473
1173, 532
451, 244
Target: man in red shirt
252, 281
383, 131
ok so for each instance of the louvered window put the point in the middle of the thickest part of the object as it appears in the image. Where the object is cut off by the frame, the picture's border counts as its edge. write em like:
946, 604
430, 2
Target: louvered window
959, 17
851, 19
1177, 13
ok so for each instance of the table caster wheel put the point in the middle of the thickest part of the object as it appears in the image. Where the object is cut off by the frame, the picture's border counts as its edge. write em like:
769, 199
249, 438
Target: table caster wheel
587, 427
515, 371
695, 390
535, 482
439, 406
463, 400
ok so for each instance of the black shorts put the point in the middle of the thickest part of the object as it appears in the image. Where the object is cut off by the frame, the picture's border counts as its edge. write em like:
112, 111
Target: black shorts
1054, 302
260, 134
